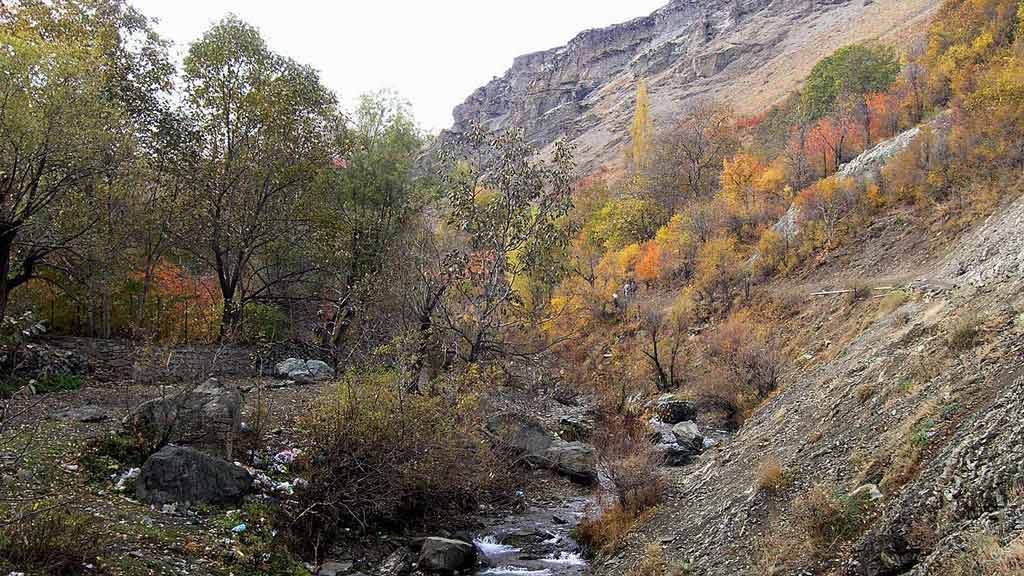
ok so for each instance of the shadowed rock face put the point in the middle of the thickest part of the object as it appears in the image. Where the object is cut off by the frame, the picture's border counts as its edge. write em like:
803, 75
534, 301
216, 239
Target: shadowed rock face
749, 53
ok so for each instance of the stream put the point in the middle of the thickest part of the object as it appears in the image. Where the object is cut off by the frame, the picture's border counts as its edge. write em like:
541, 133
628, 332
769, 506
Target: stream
536, 542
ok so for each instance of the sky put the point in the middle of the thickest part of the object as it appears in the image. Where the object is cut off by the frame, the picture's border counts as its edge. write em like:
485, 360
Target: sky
434, 53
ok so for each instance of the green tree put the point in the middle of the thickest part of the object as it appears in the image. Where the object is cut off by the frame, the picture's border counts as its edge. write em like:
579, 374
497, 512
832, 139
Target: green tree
265, 127
372, 195
839, 84
57, 127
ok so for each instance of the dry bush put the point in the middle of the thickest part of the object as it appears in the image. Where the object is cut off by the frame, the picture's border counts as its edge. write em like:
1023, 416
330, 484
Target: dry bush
964, 333
864, 392
857, 292
604, 532
891, 302
770, 476
745, 368
654, 563
986, 556
628, 460
825, 516
631, 465
380, 456
50, 540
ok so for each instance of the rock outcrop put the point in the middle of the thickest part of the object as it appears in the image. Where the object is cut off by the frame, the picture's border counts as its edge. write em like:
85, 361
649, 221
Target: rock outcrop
207, 416
749, 53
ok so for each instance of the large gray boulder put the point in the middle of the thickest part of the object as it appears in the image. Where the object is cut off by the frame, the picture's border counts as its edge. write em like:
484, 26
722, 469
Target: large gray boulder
178, 474
521, 434
687, 434
444, 556
574, 460
208, 417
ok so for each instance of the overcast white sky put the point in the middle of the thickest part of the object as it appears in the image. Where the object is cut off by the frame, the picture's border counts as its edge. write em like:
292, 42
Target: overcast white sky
433, 52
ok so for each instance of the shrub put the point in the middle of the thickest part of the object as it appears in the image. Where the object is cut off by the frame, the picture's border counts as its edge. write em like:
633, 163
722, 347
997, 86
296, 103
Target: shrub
892, 301
985, 555
654, 563
827, 516
770, 476
380, 456
864, 392
857, 292
50, 539
964, 333
629, 461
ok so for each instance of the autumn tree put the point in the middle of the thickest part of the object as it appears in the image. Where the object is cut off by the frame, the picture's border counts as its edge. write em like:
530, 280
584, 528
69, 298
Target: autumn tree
838, 85
686, 159
640, 133
507, 206
265, 127
664, 333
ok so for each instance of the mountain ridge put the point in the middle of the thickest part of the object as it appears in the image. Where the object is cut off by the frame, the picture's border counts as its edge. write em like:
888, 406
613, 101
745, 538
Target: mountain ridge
747, 53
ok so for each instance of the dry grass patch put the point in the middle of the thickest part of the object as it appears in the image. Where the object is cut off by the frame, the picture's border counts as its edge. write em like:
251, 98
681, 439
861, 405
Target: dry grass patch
654, 563
987, 556
891, 302
50, 539
826, 516
771, 477
964, 333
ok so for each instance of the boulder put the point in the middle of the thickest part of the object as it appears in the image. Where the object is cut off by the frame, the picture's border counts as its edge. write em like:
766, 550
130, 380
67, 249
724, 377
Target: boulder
304, 371
661, 433
208, 416
444, 556
178, 474
575, 460
676, 411
319, 371
524, 435
687, 434
88, 413
575, 429
676, 454
286, 367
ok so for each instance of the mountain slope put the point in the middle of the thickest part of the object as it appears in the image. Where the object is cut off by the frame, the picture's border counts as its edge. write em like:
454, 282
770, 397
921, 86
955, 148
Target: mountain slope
749, 53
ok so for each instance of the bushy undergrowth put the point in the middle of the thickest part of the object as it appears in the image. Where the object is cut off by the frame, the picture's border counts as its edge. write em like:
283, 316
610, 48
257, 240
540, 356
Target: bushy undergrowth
630, 463
827, 516
379, 456
49, 539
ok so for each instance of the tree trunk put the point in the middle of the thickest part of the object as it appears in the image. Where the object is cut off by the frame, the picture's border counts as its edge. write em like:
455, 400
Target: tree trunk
6, 246
231, 318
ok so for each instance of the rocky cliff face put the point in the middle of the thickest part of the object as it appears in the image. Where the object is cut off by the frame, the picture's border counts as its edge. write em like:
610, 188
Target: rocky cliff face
749, 53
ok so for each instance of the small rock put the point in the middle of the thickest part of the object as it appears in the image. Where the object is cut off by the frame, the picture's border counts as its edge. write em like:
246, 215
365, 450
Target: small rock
332, 568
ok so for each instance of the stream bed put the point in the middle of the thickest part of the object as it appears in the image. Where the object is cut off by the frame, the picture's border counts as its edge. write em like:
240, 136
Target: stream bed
537, 542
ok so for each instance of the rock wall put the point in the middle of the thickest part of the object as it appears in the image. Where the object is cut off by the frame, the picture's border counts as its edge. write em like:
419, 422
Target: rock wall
749, 53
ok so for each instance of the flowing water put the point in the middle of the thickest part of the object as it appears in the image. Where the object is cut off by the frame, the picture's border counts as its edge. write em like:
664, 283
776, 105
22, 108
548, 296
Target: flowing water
534, 543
